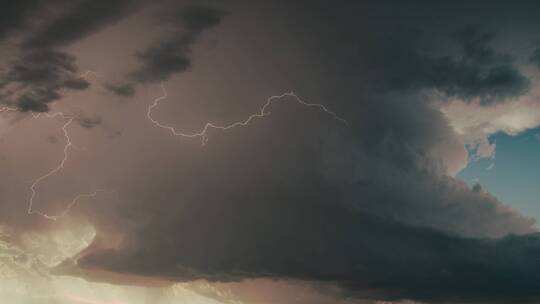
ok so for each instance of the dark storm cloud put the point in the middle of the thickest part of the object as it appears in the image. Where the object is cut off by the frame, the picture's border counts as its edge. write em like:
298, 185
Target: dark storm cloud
36, 101
475, 70
319, 204
475, 44
89, 122
76, 84
297, 195
535, 57
195, 18
81, 19
13, 15
369, 257
124, 90
40, 70
173, 55
165, 59
40, 76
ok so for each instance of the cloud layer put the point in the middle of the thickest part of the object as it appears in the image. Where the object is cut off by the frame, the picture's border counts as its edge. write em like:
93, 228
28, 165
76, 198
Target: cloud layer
370, 209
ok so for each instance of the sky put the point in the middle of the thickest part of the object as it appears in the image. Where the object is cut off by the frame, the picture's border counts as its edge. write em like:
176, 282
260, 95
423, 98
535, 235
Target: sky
511, 173
269, 152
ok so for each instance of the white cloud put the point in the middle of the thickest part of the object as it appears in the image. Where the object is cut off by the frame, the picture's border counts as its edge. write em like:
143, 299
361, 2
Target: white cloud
475, 123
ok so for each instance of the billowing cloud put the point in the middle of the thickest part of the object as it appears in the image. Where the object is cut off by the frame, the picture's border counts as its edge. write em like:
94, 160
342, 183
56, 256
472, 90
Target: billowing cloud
362, 212
36, 79
475, 71
511, 117
334, 216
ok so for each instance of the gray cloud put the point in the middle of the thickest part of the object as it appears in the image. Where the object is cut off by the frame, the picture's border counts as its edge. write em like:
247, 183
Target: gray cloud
89, 122
297, 195
371, 258
14, 15
194, 18
173, 54
124, 90
476, 70
80, 19
323, 203
42, 71
535, 57
41, 75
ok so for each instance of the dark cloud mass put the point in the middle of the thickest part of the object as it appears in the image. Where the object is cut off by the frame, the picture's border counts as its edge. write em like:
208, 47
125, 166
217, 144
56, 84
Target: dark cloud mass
124, 90
318, 214
173, 54
371, 207
81, 18
336, 245
14, 13
535, 57
89, 122
475, 71
196, 18
42, 71
40, 76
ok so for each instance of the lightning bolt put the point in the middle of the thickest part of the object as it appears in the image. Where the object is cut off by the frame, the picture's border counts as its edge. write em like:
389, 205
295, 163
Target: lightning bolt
202, 134
55, 170
69, 144
209, 125
7, 109
90, 72
60, 166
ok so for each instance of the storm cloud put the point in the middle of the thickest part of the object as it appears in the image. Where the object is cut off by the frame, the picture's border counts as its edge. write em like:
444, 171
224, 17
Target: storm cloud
40, 76
371, 207
14, 15
79, 19
328, 207
41, 70
475, 71
124, 90
173, 54
535, 57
